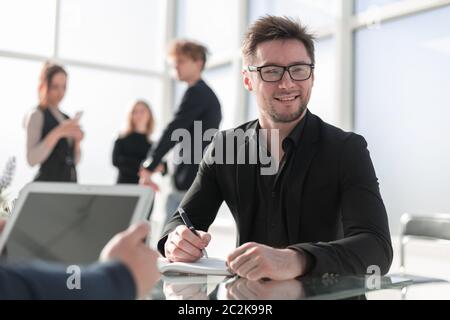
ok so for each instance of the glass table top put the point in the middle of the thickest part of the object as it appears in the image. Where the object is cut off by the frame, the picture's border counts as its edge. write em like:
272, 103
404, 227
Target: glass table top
202, 287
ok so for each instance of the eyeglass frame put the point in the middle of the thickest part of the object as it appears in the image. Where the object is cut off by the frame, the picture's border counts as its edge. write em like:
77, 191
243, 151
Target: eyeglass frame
285, 68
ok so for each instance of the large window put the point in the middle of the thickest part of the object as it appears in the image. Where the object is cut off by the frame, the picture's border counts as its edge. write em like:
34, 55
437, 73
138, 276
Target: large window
114, 32
212, 22
323, 97
317, 14
113, 52
224, 85
18, 83
363, 5
27, 26
402, 108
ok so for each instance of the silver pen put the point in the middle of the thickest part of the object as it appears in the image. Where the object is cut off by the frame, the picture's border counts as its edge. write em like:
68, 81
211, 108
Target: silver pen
190, 226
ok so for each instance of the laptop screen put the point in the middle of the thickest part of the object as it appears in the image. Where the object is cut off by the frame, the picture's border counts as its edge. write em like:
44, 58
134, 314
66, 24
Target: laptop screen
67, 228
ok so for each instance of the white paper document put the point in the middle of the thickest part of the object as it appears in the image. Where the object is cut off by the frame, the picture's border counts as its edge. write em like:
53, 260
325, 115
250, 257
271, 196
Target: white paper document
211, 266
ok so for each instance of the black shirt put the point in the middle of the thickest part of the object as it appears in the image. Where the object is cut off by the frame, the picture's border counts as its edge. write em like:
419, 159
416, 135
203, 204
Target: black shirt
128, 154
270, 214
199, 103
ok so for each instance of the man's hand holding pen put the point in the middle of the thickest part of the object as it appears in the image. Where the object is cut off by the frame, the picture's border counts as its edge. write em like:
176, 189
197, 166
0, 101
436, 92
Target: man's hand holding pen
185, 244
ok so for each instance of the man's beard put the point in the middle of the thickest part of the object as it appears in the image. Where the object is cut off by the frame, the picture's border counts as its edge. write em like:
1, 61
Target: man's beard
286, 118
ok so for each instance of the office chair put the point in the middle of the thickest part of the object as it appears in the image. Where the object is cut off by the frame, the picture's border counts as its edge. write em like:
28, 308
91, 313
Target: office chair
429, 227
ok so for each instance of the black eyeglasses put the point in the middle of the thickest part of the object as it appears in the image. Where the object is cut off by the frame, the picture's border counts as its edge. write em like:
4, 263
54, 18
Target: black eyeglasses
274, 73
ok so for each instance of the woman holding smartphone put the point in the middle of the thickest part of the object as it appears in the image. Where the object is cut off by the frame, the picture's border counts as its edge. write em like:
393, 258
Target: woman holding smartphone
53, 139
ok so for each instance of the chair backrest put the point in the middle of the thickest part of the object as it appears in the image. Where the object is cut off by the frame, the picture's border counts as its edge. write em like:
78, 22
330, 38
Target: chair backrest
432, 227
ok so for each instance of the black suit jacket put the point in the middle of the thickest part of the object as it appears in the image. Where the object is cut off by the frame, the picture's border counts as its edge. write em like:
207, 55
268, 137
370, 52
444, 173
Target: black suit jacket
334, 209
39, 280
199, 103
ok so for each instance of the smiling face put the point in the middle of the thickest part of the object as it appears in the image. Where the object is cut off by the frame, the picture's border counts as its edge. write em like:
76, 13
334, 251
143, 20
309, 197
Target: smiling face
286, 100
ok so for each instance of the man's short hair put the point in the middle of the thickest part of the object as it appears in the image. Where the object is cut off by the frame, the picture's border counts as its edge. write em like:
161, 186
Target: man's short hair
269, 28
191, 49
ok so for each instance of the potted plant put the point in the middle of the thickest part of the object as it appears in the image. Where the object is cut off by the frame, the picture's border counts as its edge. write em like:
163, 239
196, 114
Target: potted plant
5, 181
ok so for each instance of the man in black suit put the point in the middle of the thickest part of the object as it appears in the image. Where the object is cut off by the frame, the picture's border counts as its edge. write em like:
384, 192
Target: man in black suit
320, 211
199, 106
127, 270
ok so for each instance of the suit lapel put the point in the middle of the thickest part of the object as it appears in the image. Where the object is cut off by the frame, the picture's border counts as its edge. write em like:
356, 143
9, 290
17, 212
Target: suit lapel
301, 162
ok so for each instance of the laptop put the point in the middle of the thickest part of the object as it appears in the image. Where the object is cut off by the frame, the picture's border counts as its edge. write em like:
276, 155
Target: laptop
70, 223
